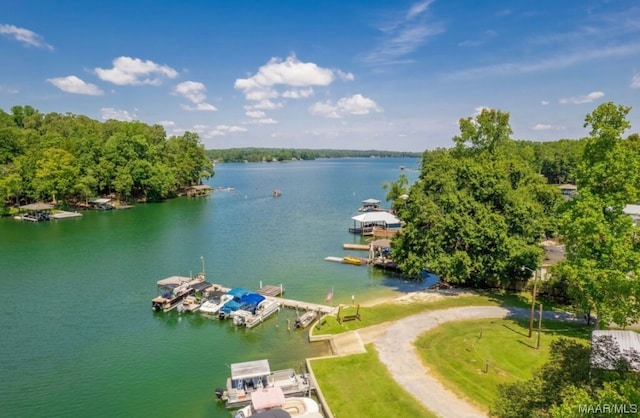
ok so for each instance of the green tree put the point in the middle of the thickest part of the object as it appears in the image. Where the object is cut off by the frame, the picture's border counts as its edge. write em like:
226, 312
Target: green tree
602, 265
478, 210
56, 174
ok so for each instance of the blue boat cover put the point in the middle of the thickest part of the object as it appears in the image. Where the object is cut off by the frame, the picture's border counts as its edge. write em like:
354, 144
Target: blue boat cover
238, 292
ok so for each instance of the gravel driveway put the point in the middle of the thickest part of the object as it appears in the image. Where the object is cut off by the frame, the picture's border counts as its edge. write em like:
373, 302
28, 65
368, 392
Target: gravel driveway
395, 345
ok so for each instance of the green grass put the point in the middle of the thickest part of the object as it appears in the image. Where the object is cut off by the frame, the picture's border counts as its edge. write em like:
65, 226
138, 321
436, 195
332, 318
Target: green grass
360, 386
456, 352
394, 311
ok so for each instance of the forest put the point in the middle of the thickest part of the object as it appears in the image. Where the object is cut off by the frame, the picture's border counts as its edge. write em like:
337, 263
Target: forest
67, 159
256, 155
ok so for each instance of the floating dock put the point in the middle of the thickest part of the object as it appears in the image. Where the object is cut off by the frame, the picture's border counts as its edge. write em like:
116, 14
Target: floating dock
358, 247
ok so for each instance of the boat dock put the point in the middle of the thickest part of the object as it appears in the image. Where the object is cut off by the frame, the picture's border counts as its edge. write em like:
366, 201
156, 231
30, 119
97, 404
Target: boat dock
271, 290
287, 303
359, 247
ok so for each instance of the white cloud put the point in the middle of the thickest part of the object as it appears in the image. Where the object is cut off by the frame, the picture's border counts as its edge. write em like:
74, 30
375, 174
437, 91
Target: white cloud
167, 123
635, 82
544, 102
542, 127
191, 90
403, 34
267, 105
24, 36
298, 93
255, 113
560, 61
194, 92
73, 84
290, 72
118, 114
222, 130
587, 98
199, 107
8, 90
357, 105
325, 109
262, 121
134, 71
354, 105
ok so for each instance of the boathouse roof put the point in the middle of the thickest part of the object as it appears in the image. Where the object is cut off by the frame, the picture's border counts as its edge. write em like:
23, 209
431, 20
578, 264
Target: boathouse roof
198, 287
199, 187
250, 369
373, 217
37, 206
100, 201
371, 202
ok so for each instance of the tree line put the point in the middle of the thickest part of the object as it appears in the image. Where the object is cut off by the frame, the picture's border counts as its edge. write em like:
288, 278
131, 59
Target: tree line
70, 158
256, 155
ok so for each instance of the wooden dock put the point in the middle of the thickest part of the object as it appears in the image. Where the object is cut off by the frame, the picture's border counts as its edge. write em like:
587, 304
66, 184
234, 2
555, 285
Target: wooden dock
358, 247
271, 290
287, 303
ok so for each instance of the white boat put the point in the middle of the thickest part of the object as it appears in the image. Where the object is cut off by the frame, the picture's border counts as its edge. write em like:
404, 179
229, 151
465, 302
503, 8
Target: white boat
213, 306
265, 309
273, 399
240, 317
249, 377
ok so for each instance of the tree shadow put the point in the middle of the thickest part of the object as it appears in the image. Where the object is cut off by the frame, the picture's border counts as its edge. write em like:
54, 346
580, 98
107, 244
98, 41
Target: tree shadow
526, 344
515, 330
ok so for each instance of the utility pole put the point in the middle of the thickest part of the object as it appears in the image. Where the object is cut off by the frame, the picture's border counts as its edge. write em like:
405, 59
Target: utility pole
539, 326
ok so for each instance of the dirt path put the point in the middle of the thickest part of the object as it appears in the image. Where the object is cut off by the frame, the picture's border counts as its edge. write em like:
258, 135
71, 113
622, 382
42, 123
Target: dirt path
395, 344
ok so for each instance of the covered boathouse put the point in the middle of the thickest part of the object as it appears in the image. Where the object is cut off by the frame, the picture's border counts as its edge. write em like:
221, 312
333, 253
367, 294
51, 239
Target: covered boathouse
366, 223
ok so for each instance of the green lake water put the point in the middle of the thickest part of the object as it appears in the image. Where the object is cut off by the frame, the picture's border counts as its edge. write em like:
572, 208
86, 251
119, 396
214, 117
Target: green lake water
79, 338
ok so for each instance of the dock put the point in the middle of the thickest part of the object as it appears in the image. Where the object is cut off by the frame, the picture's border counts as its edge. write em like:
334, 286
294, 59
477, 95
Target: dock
287, 303
358, 247
271, 290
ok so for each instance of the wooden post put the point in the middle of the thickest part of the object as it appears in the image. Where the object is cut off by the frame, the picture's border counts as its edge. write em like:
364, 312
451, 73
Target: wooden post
533, 299
486, 366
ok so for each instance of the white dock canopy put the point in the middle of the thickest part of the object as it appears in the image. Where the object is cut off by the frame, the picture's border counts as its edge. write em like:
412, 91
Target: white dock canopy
250, 369
377, 218
371, 202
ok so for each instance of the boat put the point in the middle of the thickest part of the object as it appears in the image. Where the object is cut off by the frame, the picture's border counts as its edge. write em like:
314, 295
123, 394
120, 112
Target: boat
189, 304
172, 290
273, 399
305, 319
249, 377
352, 260
242, 300
215, 303
265, 309
276, 193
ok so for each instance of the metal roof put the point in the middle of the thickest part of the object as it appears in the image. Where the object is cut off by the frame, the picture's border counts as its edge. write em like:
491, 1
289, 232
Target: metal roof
371, 201
100, 201
173, 281
250, 369
385, 217
627, 341
37, 206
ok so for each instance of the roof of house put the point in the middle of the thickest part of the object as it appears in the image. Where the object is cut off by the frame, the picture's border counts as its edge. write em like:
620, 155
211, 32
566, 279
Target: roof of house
626, 341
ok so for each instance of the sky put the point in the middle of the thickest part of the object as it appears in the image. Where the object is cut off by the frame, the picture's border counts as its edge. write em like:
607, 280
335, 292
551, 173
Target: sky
365, 74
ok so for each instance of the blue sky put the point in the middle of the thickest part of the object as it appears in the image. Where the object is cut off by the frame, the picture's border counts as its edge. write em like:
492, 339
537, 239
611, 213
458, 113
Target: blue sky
393, 75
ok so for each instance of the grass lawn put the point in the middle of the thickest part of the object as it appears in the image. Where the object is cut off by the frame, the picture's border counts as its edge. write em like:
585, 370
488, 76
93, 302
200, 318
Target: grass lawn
360, 386
456, 353
394, 311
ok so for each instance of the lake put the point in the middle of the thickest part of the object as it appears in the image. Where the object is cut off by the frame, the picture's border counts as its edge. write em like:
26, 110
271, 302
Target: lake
79, 336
